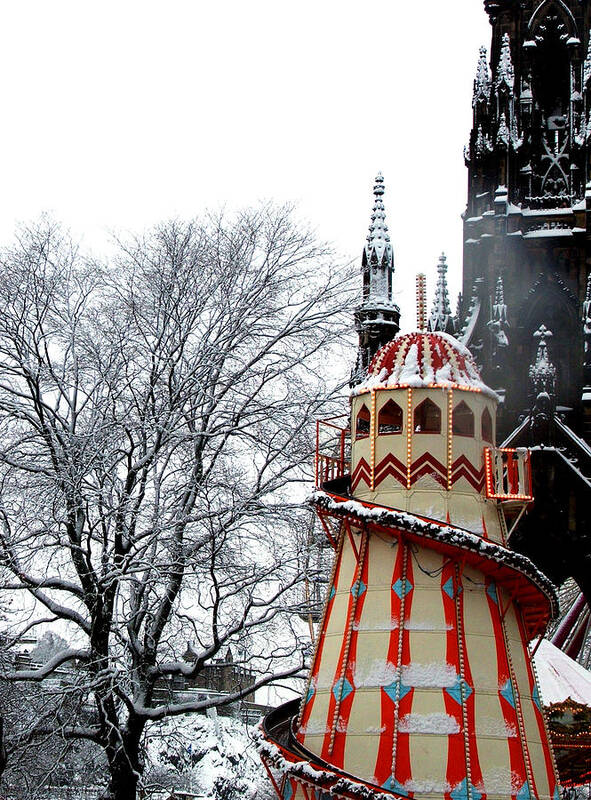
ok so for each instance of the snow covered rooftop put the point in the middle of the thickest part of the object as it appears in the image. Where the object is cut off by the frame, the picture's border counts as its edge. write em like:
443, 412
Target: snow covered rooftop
423, 359
561, 677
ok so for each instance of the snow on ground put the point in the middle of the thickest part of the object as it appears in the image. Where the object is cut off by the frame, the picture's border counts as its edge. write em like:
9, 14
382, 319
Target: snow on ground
212, 757
560, 676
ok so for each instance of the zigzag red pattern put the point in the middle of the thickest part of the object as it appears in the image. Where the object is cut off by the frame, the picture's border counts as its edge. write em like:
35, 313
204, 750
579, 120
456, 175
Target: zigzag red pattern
427, 464
390, 465
361, 472
463, 468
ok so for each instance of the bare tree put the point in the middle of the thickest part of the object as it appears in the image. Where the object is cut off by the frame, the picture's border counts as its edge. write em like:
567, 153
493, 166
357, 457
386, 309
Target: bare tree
155, 418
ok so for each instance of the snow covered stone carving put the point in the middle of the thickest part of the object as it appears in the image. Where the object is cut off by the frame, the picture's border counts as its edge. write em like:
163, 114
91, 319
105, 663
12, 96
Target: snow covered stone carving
505, 77
542, 372
503, 134
482, 81
498, 324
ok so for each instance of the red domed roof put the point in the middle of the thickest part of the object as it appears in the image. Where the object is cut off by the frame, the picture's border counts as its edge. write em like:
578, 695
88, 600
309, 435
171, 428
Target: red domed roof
423, 359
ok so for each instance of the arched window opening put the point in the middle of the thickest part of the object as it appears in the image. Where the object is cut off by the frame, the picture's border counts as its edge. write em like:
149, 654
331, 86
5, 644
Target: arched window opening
463, 420
362, 423
390, 418
487, 426
427, 417
552, 71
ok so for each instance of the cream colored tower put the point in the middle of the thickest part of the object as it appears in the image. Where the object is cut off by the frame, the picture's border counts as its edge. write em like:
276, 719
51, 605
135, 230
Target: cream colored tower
421, 683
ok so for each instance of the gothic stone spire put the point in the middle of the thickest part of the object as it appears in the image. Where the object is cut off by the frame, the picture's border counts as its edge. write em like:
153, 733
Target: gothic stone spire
377, 318
505, 77
498, 324
378, 250
441, 318
482, 81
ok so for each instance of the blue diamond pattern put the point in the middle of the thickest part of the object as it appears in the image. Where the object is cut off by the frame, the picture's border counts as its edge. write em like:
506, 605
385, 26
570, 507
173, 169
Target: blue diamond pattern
460, 792
536, 698
402, 589
448, 588
455, 691
392, 785
332, 592
556, 795
390, 690
358, 588
492, 593
310, 695
524, 793
342, 689
506, 691
287, 790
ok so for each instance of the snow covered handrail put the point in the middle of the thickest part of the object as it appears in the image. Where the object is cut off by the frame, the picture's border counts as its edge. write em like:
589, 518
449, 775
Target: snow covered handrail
446, 535
508, 474
332, 449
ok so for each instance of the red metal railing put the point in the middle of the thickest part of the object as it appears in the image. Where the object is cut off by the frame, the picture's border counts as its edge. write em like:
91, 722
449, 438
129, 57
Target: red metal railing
508, 474
333, 449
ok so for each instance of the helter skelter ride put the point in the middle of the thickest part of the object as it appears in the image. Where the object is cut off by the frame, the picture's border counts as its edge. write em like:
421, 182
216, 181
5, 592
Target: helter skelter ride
421, 683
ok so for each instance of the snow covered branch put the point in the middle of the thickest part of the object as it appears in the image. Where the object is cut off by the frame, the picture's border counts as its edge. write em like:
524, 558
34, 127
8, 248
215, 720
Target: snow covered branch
156, 422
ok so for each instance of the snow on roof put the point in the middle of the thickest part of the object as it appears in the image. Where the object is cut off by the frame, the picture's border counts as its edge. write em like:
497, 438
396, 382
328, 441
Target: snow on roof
422, 359
546, 232
560, 676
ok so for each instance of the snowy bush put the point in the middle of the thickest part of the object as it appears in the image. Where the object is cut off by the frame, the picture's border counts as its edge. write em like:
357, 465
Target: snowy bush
214, 758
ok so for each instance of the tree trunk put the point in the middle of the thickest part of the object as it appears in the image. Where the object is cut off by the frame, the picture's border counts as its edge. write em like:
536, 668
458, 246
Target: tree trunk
124, 771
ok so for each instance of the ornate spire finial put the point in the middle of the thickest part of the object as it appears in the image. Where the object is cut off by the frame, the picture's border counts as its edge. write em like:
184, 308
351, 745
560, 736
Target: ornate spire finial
499, 306
542, 372
498, 324
378, 188
483, 144
505, 73
441, 318
378, 250
482, 81
500, 292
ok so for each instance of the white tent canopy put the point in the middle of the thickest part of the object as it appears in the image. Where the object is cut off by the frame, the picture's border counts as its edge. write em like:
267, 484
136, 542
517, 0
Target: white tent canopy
561, 677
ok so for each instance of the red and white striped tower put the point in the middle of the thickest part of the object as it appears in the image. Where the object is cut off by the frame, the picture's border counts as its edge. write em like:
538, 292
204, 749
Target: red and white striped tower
422, 683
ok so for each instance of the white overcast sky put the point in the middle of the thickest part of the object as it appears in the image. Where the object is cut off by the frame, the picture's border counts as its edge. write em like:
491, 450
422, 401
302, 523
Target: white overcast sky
118, 114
